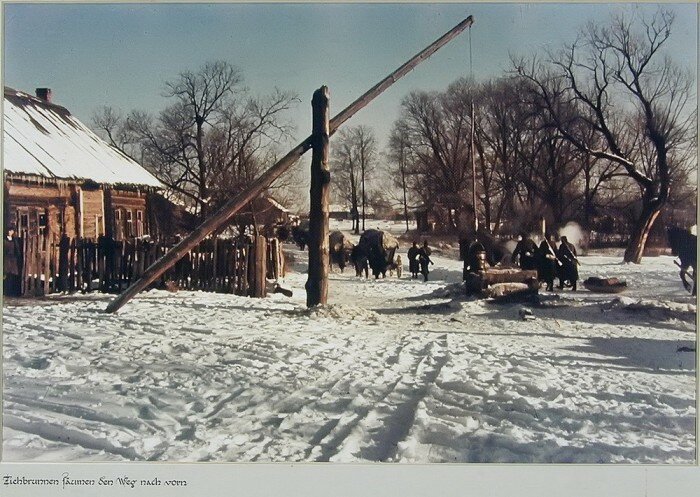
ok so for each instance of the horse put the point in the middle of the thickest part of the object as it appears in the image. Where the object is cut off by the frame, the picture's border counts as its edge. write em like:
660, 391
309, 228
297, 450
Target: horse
684, 246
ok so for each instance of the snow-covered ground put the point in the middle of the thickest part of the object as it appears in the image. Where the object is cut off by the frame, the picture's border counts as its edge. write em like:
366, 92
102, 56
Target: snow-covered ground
391, 370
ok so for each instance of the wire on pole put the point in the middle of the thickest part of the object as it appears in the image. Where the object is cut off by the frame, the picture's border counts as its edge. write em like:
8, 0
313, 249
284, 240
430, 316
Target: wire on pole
471, 69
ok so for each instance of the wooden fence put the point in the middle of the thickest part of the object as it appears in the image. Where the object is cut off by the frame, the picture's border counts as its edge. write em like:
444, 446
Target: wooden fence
238, 266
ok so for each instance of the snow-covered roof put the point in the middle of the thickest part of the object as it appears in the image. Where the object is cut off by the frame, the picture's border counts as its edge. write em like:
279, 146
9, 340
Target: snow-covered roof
276, 204
342, 208
44, 139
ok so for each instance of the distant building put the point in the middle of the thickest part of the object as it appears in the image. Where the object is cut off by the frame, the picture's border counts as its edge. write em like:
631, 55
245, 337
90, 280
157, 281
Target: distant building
338, 211
60, 177
266, 211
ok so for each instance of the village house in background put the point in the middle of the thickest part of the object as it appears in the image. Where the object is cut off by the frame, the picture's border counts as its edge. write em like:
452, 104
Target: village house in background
264, 211
61, 178
89, 217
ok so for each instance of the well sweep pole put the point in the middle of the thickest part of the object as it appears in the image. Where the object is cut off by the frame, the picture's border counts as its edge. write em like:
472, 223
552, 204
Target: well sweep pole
262, 182
317, 283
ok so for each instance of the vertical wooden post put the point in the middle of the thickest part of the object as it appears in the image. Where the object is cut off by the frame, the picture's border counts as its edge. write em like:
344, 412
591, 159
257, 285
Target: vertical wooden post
63, 254
28, 266
250, 270
38, 269
276, 259
317, 284
260, 267
72, 261
215, 262
101, 266
46, 288
25, 265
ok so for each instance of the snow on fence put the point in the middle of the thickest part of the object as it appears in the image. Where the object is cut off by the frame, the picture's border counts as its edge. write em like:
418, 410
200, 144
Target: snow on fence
215, 265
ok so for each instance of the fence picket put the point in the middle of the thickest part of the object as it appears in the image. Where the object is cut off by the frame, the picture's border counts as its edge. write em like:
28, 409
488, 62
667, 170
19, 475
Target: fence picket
216, 265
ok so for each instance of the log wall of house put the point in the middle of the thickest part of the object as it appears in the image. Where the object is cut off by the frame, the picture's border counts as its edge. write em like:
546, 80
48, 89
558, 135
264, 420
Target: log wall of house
40, 208
128, 213
92, 213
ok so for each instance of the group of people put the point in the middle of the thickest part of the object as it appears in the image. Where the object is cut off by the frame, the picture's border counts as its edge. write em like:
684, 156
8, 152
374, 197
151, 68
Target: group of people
419, 260
548, 260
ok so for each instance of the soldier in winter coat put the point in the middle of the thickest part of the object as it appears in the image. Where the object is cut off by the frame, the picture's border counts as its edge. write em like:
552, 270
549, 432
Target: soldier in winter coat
12, 262
569, 264
424, 259
547, 263
474, 262
525, 252
413, 260
360, 260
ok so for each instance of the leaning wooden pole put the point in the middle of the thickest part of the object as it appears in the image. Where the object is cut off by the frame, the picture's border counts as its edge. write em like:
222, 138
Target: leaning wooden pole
265, 180
317, 284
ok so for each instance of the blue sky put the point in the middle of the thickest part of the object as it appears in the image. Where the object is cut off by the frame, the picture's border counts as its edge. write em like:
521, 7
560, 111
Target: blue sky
120, 55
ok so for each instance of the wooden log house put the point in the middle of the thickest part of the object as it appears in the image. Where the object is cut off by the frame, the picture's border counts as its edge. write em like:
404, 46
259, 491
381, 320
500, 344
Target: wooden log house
60, 177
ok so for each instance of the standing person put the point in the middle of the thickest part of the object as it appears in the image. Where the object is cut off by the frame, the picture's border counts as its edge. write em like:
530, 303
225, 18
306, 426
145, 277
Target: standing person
413, 260
569, 264
424, 259
360, 260
12, 263
525, 252
476, 257
547, 264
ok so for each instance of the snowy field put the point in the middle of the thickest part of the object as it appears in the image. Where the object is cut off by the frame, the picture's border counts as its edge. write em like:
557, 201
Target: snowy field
392, 370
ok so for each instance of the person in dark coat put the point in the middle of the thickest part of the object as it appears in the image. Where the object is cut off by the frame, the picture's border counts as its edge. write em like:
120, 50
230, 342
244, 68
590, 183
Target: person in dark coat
547, 263
525, 252
424, 259
12, 263
360, 260
476, 257
413, 260
566, 253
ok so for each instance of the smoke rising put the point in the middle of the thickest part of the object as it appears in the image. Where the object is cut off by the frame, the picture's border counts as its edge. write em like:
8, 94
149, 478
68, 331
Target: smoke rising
574, 234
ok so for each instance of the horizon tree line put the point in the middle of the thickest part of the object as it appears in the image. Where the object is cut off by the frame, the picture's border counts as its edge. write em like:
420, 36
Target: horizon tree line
607, 122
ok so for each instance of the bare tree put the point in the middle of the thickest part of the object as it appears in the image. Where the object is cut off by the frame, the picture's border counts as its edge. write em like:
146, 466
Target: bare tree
399, 150
550, 166
366, 145
437, 126
347, 184
211, 142
111, 124
355, 156
629, 96
501, 126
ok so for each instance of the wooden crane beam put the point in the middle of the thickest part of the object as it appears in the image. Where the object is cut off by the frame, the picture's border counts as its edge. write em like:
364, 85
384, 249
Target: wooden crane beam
231, 207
